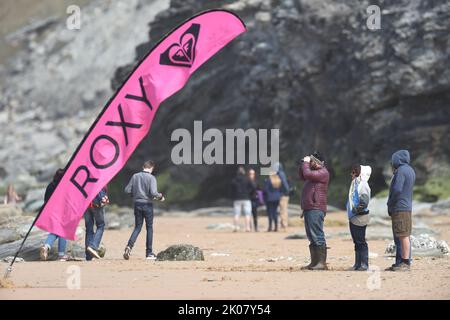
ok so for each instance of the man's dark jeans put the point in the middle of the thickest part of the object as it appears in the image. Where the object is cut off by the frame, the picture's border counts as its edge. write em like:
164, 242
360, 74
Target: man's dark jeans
94, 216
398, 250
314, 227
143, 211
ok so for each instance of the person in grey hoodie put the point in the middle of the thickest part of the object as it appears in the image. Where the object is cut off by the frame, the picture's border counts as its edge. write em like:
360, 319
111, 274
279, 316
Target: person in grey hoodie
400, 207
143, 188
358, 214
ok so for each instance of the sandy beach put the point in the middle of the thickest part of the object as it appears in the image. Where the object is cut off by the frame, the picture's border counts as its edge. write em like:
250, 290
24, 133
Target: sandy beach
237, 266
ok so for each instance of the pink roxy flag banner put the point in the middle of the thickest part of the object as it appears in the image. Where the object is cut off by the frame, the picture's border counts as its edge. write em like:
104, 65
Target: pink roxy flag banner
127, 117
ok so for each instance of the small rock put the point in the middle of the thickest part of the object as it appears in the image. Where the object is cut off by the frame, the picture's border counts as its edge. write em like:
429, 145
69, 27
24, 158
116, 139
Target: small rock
297, 235
181, 252
220, 226
9, 259
218, 254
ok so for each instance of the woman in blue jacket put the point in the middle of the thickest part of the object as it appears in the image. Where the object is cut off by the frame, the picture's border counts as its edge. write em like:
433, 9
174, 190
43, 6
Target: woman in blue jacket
272, 195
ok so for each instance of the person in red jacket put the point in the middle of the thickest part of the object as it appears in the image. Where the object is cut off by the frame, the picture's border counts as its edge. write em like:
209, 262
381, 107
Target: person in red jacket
314, 205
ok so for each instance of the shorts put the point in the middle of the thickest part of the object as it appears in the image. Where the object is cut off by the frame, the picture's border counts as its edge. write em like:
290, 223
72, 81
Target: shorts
245, 205
401, 223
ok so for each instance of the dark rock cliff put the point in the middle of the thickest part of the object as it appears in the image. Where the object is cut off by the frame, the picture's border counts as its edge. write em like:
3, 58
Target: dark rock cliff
314, 70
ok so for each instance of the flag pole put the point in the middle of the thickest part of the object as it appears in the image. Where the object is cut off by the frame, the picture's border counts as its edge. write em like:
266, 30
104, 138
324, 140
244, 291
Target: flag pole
10, 267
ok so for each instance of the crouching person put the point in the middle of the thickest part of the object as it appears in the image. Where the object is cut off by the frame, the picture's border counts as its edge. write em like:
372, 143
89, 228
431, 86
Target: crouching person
314, 206
358, 214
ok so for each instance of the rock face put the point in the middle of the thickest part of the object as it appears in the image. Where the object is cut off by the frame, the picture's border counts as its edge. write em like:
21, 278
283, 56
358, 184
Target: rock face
314, 70
310, 68
52, 90
181, 252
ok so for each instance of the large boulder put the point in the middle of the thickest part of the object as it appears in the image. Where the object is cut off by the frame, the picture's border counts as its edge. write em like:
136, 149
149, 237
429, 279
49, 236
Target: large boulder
441, 207
9, 213
8, 235
423, 245
30, 250
181, 252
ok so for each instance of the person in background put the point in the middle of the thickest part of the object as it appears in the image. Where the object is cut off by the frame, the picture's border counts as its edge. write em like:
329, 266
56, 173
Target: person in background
358, 214
400, 208
255, 197
143, 188
95, 214
314, 205
272, 195
284, 200
242, 191
51, 238
11, 196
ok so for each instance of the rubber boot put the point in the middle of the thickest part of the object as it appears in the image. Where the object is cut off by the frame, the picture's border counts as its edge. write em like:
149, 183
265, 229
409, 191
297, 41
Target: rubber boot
364, 260
313, 255
357, 261
321, 258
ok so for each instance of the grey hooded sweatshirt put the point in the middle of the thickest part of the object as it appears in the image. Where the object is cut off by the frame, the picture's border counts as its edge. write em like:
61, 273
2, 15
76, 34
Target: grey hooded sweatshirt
402, 184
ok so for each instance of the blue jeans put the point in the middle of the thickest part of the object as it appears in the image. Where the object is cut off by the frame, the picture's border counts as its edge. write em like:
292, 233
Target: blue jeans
398, 250
314, 227
272, 213
143, 211
94, 216
359, 237
62, 243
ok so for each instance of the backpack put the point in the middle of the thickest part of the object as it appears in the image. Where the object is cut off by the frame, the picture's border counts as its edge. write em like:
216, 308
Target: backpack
97, 202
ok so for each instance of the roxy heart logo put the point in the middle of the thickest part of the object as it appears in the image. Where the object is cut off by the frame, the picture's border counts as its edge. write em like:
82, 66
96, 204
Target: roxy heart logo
182, 54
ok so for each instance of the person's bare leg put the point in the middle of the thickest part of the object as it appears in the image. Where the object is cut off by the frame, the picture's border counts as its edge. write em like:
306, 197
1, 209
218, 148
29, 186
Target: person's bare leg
236, 222
248, 223
405, 247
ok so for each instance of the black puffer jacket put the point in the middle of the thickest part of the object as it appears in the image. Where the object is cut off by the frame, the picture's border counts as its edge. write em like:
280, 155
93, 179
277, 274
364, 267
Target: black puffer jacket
242, 188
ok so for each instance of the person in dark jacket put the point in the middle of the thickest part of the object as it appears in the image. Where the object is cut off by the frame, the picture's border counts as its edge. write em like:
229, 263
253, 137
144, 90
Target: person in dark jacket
284, 200
272, 195
242, 190
95, 215
142, 186
51, 238
400, 208
314, 205
255, 199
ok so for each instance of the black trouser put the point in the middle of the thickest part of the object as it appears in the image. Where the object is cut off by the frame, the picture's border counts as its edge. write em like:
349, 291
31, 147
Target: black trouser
359, 239
272, 213
255, 213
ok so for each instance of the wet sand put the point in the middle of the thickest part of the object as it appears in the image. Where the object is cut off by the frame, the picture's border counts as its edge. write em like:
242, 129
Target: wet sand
245, 273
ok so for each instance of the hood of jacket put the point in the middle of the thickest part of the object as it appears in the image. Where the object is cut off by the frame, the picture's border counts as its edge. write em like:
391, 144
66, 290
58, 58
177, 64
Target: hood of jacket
366, 171
399, 158
277, 167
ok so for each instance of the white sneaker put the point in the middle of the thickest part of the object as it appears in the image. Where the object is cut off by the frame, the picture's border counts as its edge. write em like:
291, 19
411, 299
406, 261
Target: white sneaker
93, 252
151, 257
43, 252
